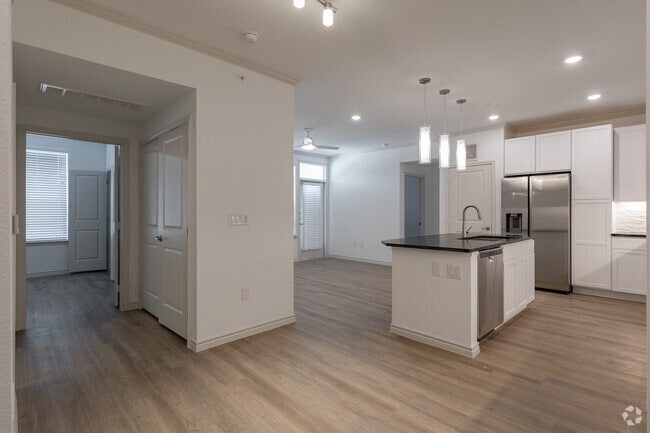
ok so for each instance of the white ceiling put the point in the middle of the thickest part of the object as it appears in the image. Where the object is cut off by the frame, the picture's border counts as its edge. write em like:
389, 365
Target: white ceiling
506, 53
33, 66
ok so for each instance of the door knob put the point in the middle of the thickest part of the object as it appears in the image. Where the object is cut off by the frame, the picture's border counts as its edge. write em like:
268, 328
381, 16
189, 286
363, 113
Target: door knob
158, 238
486, 228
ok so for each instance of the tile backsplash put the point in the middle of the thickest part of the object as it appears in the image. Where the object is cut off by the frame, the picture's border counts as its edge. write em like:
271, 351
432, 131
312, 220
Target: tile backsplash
629, 217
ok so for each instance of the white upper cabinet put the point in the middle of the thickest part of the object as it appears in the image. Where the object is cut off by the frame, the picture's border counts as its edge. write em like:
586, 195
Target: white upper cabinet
629, 163
592, 163
519, 155
553, 152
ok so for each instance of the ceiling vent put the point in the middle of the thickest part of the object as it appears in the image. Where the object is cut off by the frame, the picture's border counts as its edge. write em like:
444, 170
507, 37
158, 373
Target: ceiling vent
52, 90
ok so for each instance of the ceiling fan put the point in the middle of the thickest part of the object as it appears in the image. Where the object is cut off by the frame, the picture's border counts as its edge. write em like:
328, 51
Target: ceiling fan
308, 143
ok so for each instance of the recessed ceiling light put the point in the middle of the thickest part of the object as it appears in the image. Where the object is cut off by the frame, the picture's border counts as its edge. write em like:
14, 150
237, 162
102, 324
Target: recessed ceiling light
594, 97
494, 117
355, 117
572, 59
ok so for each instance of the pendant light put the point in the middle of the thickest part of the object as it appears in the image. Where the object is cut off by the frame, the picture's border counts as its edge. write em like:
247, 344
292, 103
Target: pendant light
461, 152
299, 4
444, 137
328, 15
425, 130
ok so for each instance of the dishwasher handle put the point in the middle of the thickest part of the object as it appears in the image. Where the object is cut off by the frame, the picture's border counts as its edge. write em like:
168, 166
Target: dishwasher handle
490, 253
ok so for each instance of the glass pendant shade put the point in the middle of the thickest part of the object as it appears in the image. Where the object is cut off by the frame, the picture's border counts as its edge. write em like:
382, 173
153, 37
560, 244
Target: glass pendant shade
444, 151
299, 4
328, 15
425, 145
461, 155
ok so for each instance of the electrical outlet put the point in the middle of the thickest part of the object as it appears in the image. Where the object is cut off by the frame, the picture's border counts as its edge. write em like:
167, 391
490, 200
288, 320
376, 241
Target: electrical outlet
435, 269
454, 272
245, 294
237, 219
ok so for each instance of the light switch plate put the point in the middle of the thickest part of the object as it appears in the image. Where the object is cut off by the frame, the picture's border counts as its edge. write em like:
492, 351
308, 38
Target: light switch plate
238, 219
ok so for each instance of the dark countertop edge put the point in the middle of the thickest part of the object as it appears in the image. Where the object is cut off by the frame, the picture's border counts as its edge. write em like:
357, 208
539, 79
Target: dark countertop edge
491, 246
629, 235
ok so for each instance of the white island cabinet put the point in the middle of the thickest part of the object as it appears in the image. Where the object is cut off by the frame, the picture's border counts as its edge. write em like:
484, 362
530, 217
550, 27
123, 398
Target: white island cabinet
435, 288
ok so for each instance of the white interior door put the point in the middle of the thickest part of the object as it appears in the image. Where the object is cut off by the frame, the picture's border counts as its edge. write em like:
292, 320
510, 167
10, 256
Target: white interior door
164, 229
473, 186
114, 225
87, 221
311, 220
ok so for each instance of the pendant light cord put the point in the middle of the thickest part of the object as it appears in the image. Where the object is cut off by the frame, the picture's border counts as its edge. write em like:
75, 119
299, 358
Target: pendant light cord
444, 114
461, 121
425, 106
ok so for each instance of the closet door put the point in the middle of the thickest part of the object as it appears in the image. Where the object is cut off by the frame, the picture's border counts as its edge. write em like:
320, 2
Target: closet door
164, 229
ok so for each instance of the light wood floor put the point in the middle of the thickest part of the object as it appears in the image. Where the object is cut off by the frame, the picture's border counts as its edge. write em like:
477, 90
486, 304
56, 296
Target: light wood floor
567, 364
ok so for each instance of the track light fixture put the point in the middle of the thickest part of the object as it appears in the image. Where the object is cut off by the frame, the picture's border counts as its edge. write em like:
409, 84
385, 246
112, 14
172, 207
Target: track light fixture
328, 10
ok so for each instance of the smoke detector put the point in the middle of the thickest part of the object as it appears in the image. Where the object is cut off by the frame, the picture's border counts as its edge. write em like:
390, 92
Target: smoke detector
251, 37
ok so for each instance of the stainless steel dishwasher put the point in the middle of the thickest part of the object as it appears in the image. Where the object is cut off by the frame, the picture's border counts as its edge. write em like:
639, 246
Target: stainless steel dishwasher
490, 291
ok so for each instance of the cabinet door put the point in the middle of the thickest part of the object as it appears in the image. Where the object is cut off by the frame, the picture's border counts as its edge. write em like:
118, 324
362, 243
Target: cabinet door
591, 243
592, 163
629, 271
530, 276
553, 152
515, 280
519, 154
629, 163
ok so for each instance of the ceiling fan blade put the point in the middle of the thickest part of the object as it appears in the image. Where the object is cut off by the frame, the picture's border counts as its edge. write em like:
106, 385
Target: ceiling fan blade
318, 146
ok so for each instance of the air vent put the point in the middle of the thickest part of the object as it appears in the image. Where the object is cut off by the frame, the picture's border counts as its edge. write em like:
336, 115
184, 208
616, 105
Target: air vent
52, 90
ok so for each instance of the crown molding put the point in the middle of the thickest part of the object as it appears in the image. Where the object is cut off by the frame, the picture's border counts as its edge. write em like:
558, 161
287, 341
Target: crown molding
117, 17
530, 127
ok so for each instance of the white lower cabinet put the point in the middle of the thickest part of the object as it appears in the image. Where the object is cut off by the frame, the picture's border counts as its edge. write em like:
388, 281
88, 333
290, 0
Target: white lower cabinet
518, 277
629, 265
591, 244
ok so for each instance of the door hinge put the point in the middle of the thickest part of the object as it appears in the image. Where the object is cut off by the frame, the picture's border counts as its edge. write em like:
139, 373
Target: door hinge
15, 224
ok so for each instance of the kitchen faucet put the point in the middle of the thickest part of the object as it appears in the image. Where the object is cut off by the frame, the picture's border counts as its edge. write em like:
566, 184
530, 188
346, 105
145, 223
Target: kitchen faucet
478, 212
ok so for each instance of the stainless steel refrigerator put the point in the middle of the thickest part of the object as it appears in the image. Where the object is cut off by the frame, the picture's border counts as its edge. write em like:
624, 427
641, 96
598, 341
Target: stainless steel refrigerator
540, 207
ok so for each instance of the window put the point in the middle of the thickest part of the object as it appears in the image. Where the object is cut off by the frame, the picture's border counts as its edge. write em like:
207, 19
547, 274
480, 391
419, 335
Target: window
312, 172
46, 199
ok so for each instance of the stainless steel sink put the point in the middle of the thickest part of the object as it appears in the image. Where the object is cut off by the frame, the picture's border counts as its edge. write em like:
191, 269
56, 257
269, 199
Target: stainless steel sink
487, 238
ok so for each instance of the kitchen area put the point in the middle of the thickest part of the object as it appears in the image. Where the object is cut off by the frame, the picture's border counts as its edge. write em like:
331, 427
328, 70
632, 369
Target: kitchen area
572, 220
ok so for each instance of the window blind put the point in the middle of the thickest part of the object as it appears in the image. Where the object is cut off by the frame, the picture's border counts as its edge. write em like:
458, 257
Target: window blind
46, 199
312, 216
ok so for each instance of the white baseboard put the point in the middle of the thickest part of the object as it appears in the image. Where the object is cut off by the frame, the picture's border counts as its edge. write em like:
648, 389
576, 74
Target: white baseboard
130, 307
357, 259
238, 335
432, 341
47, 274
610, 294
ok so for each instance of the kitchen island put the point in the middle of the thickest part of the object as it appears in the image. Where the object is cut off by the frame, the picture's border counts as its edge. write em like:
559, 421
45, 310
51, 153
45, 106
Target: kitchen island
435, 296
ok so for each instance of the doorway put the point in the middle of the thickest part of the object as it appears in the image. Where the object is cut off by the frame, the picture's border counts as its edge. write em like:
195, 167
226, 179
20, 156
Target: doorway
419, 208
413, 205
68, 192
310, 191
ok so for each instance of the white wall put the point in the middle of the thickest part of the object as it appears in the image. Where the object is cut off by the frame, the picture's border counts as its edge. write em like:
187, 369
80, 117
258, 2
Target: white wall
242, 160
489, 147
7, 240
51, 258
364, 202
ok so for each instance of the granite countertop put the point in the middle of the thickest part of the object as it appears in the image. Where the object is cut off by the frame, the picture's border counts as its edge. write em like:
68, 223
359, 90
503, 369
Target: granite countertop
630, 235
452, 242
